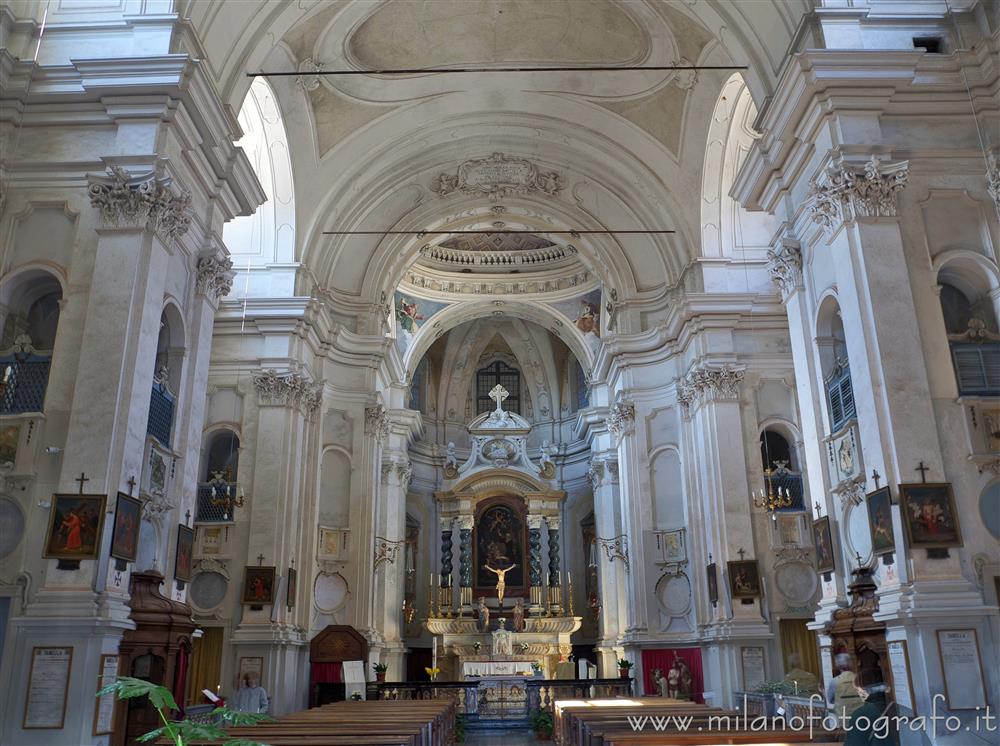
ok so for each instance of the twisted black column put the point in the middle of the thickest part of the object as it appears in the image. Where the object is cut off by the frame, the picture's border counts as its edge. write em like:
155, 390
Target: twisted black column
445, 557
535, 556
553, 557
465, 557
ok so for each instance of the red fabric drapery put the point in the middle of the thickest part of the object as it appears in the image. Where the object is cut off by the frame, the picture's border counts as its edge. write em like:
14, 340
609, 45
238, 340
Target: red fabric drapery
326, 673
663, 658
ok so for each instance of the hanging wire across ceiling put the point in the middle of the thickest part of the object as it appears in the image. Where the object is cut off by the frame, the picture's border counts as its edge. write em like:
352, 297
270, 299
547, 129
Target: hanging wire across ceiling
480, 70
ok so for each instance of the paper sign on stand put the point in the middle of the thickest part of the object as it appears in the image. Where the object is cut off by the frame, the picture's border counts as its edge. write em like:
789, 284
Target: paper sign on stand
354, 678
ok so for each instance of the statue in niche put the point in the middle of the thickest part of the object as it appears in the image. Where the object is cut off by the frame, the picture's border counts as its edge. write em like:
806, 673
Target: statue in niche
519, 615
483, 614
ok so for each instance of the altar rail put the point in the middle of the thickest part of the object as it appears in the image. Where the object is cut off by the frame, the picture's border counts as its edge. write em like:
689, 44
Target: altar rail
541, 693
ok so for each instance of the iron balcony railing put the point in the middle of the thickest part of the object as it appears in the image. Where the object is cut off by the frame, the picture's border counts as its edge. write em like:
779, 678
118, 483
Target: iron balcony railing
23, 383
161, 414
792, 483
206, 512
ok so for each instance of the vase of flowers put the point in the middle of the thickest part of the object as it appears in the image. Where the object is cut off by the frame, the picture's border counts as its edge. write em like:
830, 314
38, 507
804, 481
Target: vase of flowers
624, 667
432, 673
380, 669
476, 646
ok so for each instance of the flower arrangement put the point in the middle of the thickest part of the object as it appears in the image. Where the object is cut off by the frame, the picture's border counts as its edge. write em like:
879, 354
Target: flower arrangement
432, 673
476, 646
356, 696
524, 647
536, 666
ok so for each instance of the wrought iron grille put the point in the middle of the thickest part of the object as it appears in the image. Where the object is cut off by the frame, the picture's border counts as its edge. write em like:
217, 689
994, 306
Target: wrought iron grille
208, 513
161, 414
493, 374
23, 383
792, 483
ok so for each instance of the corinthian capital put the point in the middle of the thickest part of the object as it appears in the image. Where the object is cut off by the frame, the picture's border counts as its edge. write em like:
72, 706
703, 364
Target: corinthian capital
710, 383
377, 422
143, 201
846, 191
785, 265
288, 390
620, 418
215, 277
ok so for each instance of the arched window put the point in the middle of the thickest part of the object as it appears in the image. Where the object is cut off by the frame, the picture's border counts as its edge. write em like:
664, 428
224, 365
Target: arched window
222, 456
780, 467
29, 318
166, 376
836, 367
972, 336
775, 453
498, 373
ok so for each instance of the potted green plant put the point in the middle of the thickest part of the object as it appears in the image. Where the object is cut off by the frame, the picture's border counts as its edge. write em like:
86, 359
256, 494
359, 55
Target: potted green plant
460, 728
541, 723
182, 732
536, 668
380, 669
624, 666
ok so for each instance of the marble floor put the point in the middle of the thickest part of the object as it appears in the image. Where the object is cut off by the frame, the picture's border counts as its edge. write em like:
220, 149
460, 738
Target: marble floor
503, 738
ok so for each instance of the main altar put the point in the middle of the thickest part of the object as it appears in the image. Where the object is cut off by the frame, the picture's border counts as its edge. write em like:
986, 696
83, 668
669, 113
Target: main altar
501, 608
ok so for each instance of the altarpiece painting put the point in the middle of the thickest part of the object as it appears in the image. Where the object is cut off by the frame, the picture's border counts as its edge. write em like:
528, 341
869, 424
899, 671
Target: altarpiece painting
500, 543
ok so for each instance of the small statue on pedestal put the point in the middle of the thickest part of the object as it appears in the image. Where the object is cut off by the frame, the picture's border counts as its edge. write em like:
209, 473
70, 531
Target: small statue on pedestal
674, 680
483, 613
519, 615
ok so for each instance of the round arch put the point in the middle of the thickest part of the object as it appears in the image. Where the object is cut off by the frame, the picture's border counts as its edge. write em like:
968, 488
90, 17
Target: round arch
460, 313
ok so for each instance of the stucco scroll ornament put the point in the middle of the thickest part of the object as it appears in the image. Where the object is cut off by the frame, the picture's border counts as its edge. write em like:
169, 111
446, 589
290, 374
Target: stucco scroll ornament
307, 77
684, 78
785, 265
215, 277
620, 418
847, 191
853, 493
377, 422
496, 177
615, 548
127, 201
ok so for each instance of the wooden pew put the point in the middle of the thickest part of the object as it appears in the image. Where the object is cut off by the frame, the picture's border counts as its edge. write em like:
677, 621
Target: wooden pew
589, 724
382, 723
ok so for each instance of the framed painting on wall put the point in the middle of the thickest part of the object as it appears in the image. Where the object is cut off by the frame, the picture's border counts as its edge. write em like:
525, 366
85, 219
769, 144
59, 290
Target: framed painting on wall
125, 538
744, 579
880, 521
258, 585
823, 542
185, 548
75, 526
929, 515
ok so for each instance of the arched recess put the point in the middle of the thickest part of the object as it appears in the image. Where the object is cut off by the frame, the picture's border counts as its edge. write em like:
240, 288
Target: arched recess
727, 229
666, 479
334, 510
30, 301
460, 313
268, 235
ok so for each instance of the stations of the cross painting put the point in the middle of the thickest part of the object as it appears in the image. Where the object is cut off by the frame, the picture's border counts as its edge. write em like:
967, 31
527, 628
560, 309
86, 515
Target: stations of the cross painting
498, 393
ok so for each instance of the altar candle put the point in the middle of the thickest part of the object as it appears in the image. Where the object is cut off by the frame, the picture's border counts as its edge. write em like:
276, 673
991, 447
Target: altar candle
434, 652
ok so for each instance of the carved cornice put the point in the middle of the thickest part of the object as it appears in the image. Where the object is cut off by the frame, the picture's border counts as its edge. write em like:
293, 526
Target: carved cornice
144, 201
710, 383
620, 418
215, 277
377, 422
785, 265
848, 191
288, 390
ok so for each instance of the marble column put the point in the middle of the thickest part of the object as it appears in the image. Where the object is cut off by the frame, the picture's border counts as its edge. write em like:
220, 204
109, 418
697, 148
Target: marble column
535, 562
612, 566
